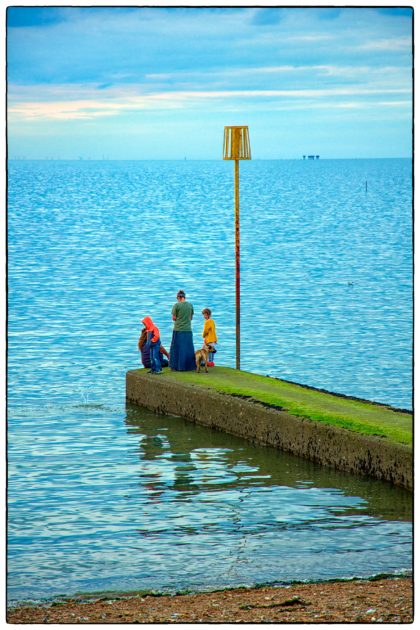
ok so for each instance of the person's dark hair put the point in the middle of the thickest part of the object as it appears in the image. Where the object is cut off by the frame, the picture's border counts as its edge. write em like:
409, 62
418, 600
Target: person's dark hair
180, 294
206, 311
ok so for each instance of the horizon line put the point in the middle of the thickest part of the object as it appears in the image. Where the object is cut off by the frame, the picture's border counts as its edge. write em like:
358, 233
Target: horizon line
186, 159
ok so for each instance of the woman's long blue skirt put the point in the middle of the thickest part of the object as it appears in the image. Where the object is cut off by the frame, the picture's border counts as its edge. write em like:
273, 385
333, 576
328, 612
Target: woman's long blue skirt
181, 354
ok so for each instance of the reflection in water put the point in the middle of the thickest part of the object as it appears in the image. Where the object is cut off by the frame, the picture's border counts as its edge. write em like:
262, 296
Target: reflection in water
246, 514
203, 459
169, 505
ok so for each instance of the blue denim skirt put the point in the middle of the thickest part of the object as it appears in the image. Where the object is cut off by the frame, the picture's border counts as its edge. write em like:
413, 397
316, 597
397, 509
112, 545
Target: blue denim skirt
181, 354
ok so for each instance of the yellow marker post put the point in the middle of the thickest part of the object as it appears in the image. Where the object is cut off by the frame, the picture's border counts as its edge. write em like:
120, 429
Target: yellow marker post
236, 147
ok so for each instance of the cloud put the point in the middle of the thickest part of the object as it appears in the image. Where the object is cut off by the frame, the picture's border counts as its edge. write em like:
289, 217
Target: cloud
396, 11
284, 76
99, 102
329, 14
267, 16
400, 43
90, 70
312, 37
24, 17
96, 43
62, 110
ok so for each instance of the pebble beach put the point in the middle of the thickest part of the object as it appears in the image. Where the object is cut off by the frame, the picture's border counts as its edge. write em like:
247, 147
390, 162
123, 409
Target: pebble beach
355, 601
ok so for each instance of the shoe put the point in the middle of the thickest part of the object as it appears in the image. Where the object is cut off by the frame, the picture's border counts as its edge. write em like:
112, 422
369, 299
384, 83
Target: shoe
210, 363
149, 372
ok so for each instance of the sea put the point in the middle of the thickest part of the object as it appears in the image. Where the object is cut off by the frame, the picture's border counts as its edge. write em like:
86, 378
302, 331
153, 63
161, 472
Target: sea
104, 496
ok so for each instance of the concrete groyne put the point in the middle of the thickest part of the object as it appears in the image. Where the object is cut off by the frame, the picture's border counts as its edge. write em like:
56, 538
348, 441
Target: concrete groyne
270, 425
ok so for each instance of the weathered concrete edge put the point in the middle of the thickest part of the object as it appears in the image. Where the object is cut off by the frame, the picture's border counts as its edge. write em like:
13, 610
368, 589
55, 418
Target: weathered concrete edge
326, 445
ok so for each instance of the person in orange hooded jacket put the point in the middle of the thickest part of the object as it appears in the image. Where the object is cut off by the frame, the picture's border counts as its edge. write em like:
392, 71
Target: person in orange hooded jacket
153, 339
144, 350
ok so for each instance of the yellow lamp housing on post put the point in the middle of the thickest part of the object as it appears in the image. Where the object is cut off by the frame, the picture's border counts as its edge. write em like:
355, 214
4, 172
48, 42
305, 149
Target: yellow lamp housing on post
236, 143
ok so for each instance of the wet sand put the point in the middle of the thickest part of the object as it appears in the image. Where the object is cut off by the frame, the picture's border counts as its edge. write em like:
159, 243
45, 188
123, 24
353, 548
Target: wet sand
358, 601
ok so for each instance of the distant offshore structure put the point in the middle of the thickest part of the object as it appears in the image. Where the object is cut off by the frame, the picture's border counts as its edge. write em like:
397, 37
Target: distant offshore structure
311, 157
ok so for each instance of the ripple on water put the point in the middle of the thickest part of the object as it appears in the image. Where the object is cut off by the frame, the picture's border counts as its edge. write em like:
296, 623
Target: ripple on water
137, 501
101, 497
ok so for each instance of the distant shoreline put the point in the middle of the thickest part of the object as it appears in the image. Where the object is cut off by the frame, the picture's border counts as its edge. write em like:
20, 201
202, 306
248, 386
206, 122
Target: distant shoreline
180, 159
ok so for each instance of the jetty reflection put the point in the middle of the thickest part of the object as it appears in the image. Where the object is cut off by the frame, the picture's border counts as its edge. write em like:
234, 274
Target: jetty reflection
184, 459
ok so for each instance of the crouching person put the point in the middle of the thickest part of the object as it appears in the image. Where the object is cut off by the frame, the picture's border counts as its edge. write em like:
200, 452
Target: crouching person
144, 349
153, 342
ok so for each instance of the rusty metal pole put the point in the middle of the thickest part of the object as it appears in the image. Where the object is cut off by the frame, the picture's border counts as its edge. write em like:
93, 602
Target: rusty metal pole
238, 269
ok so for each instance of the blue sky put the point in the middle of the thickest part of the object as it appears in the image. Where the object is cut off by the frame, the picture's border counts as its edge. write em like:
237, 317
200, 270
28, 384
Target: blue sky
161, 83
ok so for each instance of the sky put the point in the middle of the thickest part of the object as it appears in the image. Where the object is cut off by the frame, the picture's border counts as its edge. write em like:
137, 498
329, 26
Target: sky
161, 83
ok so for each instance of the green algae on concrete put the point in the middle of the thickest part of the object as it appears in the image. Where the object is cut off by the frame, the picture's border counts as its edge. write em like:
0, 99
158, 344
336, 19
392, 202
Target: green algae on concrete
361, 416
348, 434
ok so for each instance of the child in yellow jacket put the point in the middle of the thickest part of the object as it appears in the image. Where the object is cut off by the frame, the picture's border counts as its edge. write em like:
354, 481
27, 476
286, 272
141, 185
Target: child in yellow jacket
209, 333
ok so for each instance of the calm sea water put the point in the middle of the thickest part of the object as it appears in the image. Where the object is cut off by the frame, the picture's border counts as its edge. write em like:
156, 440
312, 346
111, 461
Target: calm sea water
107, 497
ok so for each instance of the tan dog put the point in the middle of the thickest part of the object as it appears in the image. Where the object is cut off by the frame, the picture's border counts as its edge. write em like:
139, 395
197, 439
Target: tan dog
202, 355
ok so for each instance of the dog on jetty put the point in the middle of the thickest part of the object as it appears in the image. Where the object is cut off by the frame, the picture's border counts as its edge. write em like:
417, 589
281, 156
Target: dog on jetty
202, 356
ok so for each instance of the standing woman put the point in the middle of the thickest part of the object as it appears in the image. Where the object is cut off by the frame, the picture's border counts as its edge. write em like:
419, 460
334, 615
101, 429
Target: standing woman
182, 349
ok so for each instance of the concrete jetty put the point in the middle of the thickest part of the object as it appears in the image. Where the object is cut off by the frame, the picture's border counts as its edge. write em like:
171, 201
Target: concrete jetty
348, 434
